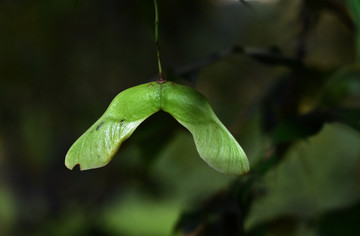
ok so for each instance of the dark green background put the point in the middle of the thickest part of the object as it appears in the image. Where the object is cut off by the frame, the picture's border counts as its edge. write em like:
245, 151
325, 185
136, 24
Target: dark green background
281, 75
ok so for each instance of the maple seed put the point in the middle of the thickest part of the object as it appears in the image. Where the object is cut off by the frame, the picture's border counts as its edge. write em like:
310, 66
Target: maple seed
213, 141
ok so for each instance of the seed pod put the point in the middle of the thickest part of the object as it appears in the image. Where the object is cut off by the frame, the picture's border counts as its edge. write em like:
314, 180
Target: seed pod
214, 143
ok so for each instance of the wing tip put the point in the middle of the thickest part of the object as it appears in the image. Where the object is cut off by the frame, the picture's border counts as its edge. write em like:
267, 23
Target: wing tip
234, 173
71, 166
242, 167
82, 167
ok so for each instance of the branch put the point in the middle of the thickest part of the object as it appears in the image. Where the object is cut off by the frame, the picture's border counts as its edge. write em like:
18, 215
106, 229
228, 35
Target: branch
269, 56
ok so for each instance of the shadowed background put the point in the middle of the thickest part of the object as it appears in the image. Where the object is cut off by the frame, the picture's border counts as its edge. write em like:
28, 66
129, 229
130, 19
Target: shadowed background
281, 75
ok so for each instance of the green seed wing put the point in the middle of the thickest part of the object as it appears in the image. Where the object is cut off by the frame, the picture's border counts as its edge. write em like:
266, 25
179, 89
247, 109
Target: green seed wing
96, 147
214, 142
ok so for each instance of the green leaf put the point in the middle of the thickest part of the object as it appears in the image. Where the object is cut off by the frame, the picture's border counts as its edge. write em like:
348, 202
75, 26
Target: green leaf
215, 144
96, 147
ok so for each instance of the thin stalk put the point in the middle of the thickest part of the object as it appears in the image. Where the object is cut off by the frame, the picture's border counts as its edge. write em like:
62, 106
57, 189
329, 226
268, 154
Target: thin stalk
161, 75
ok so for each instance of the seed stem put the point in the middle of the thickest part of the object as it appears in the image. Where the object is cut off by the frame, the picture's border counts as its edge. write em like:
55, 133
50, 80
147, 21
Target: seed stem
157, 47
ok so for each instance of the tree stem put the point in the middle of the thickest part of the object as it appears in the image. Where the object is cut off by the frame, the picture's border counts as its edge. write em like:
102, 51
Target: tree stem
161, 75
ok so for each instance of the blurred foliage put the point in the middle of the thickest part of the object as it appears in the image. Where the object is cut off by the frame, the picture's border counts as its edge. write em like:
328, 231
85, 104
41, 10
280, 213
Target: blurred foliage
283, 75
